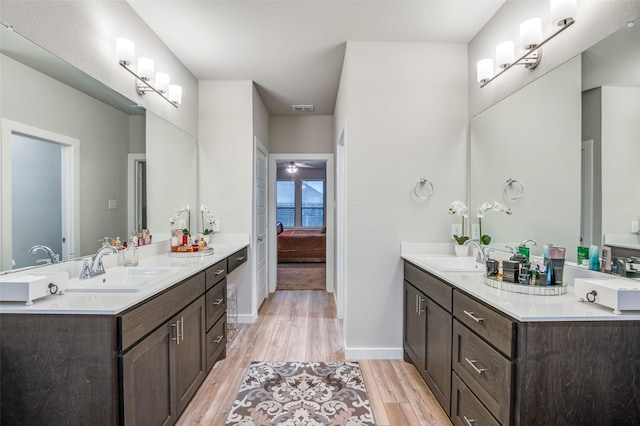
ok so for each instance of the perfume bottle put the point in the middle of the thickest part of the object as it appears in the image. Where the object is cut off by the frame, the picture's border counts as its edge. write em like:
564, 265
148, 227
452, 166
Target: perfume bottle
131, 253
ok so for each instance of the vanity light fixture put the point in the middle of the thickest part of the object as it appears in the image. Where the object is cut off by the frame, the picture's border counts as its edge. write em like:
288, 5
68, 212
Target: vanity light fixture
563, 14
144, 74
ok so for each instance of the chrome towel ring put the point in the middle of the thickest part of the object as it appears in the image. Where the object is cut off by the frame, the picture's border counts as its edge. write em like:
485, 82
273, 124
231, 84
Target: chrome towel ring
514, 189
424, 187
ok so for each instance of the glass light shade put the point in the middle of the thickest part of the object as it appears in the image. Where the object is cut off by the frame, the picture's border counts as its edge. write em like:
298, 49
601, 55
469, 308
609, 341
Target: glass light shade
175, 94
505, 54
145, 68
531, 33
562, 10
161, 82
125, 51
485, 70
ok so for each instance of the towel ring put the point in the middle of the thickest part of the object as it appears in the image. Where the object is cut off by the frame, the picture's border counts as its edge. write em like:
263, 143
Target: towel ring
419, 185
516, 193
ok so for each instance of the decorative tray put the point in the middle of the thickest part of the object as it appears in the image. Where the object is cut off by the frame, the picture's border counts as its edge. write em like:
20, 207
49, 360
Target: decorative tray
536, 290
191, 254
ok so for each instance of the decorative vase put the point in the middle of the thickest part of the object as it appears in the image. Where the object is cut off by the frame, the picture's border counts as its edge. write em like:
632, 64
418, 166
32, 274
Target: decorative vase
461, 250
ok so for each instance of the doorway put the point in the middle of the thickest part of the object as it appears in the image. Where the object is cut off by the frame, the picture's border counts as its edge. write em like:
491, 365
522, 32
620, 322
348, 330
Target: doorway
302, 221
39, 190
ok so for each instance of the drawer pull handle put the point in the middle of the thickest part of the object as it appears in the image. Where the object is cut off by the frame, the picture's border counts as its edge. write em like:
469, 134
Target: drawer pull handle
218, 340
177, 326
239, 259
218, 271
218, 301
472, 363
470, 422
420, 305
473, 317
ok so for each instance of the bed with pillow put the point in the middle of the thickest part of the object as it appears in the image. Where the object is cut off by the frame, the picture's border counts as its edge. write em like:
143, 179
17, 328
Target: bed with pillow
301, 245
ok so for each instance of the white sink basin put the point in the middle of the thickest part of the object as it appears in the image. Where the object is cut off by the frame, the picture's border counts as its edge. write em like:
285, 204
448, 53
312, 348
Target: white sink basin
453, 263
121, 280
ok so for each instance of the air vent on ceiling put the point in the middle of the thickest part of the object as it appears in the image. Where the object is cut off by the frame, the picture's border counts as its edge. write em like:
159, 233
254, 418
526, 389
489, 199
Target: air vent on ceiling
303, 108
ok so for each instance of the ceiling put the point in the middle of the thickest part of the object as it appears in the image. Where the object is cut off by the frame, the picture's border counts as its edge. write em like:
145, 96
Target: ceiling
294, 49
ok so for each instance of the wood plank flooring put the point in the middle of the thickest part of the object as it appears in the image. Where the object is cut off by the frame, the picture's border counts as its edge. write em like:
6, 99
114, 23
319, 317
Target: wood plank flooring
302, 326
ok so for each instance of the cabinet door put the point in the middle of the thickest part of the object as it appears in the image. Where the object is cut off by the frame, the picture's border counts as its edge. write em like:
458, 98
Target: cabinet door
190, 359
148, 385
414, 326
438, 353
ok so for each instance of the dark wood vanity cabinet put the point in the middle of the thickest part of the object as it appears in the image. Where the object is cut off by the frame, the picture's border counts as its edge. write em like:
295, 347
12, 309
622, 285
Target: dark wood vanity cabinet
508, 372
427, 330
216, 310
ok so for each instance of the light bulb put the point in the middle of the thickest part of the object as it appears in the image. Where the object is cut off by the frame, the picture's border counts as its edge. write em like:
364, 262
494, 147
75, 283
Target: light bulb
563, 11
175, 94
485, 70
125, 51
505, 54
161, 82
531, 33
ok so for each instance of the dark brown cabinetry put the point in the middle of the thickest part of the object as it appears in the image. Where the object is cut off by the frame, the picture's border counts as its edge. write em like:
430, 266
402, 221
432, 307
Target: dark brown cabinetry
216, 308
507, 372
427, 330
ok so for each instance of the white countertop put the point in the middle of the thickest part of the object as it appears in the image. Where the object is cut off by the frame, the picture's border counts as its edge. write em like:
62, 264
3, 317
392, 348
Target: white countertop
522, 307
114, 303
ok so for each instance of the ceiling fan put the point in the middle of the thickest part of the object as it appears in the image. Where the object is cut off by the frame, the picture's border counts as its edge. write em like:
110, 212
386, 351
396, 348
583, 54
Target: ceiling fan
293, 166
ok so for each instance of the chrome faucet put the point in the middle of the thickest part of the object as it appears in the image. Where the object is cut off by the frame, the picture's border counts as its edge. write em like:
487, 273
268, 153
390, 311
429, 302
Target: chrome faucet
525, 242
94, 265
39, 247
482, 255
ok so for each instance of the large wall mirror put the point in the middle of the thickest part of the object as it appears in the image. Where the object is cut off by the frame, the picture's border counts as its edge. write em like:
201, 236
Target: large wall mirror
570, 140
76, 158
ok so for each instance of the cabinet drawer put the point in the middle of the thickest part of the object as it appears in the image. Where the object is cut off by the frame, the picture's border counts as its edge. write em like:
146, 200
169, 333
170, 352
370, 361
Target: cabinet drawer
216, 302
236, 259
466, 410
215, 273
492, 326
140, 321
216, 342
484, 370
435, 289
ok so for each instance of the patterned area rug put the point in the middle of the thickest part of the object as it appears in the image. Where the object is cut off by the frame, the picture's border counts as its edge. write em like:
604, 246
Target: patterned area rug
302, 393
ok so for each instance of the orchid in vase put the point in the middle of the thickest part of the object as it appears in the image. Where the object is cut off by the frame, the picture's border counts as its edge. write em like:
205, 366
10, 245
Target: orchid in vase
209, 223
482, 210
458, 208
186, 209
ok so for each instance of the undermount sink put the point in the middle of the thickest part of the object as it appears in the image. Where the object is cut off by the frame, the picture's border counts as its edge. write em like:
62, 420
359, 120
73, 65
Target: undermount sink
453, 264
121, 280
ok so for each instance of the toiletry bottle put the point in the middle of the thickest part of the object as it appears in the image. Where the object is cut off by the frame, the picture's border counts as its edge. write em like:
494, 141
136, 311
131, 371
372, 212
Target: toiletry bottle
500, 271
131, 253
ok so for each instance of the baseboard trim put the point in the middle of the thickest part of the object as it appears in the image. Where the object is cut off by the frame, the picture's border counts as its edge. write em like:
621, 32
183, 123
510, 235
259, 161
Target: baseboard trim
373, 353
247, 319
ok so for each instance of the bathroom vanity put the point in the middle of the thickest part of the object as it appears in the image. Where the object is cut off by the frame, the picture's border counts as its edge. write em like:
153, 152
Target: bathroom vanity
106, 358
493, 357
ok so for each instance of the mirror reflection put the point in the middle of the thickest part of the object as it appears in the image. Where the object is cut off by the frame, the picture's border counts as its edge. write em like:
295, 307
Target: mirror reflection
74, 159
568, 139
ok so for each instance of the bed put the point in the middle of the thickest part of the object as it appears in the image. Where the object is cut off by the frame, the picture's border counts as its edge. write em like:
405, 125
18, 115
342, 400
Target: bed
302, 245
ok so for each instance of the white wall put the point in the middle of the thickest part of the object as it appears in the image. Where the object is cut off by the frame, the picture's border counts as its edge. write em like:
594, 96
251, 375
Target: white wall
84, 32
312, 134
620, 151
407, 119
596, 19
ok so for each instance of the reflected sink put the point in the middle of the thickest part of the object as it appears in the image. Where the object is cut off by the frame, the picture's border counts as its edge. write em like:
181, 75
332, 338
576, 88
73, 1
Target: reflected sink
121, 280
453, 264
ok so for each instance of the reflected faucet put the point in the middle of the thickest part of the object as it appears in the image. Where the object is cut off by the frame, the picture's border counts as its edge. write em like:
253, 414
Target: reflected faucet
94, 265
525, 242
482, 255
39, 247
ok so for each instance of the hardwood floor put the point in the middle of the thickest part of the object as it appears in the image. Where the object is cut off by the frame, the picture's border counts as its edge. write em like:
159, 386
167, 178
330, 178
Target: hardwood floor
302, 326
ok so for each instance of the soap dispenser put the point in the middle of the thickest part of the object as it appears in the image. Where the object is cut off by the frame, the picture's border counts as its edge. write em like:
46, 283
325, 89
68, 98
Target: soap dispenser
131, 253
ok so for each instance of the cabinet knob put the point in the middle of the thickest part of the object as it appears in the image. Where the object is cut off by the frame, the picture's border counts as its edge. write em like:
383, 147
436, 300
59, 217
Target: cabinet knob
473, 317
469, 422
472, 363
218, 339
218, 301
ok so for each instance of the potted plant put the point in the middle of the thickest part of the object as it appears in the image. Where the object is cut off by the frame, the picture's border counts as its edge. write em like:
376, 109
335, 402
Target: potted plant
482, 210
209, 223
458, 208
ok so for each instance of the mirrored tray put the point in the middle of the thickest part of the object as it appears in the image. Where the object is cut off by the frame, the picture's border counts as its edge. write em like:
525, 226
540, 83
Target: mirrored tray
191, 254
535, 290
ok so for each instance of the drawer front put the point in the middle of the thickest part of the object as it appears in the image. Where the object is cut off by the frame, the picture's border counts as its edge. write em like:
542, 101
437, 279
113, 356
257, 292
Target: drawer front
216, 302
215, 273
492, 326
466, 410
141, 320
216, 342
484, 370
236, 259
438, 291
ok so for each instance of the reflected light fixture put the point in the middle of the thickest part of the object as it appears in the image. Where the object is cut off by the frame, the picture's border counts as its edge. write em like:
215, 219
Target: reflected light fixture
144, 74
563, 14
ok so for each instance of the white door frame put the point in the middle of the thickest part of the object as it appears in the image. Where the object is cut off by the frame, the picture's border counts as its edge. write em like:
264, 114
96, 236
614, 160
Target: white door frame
70, 187
329, 215
132, 190
341, 252
259, 296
